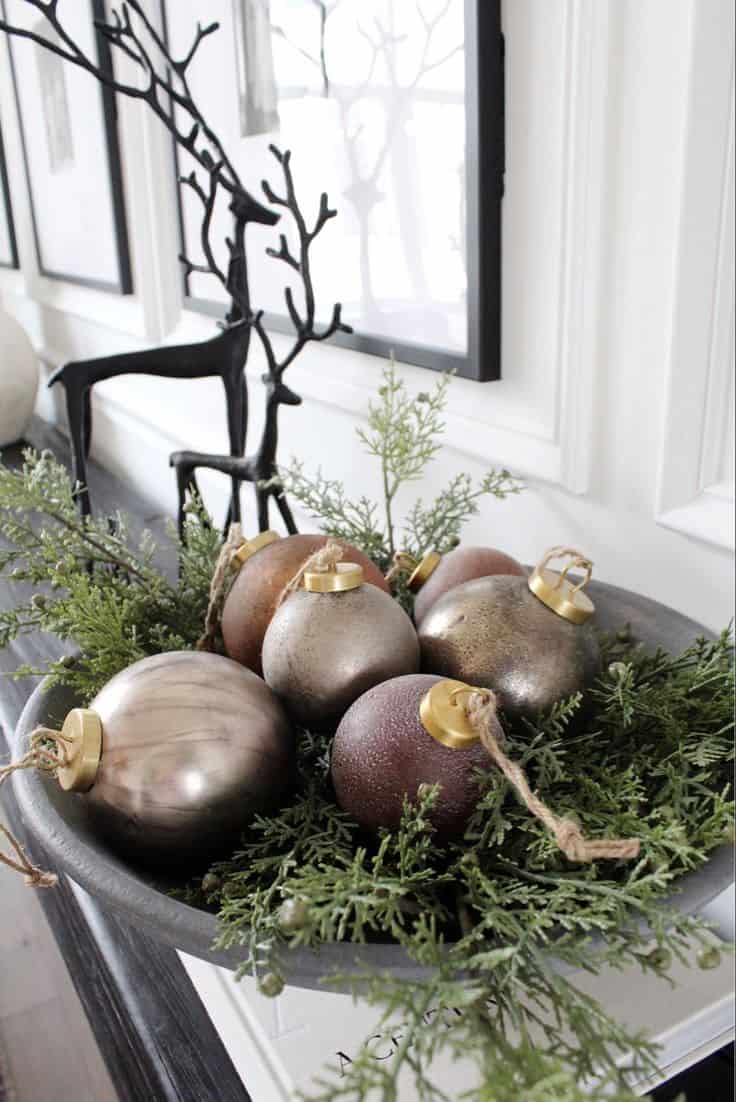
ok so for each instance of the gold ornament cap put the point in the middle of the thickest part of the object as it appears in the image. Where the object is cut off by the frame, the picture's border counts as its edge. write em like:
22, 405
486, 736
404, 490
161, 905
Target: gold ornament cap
344, 576
249, 547
82, 735
423, 570
444, 717
554, 589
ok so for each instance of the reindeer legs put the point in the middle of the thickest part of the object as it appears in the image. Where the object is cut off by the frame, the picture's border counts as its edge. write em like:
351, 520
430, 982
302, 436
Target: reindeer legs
78, 408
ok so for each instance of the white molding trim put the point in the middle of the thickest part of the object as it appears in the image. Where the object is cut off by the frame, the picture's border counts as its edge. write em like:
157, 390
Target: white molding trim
700, 368
12, 282
122, 313
151, 203
709, 517
719, 398
101, 307
250, 1049
16, 282
588, 131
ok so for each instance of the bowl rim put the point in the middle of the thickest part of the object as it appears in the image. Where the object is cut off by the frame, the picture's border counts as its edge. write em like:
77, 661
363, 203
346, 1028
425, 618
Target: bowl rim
128, 892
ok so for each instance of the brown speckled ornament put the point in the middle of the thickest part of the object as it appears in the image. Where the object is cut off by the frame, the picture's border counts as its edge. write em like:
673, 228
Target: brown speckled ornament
190, 746
438, 731
497, 633
382, 752
323, 649
255, 593
458, 566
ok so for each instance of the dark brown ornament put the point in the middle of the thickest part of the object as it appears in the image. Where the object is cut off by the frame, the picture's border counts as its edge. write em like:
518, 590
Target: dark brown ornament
255, 593
332, 641
383, 752
458, 566
177, 753
497, 633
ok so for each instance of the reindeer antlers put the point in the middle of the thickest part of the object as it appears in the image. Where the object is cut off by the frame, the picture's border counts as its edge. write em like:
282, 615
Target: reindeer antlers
303, 326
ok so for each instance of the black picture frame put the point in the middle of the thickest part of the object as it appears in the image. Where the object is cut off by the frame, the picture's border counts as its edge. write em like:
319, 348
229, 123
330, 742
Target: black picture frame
485, 159
123, 285
8, 207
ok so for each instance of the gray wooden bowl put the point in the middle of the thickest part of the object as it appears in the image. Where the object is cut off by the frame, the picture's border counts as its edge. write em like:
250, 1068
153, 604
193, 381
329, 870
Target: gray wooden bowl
58, 819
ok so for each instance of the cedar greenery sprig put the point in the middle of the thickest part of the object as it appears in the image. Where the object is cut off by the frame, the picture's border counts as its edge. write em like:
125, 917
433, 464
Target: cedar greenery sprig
500, 918
404, 434
90, 583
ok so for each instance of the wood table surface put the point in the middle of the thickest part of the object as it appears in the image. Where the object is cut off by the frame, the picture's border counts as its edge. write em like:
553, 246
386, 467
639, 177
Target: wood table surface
153, 1032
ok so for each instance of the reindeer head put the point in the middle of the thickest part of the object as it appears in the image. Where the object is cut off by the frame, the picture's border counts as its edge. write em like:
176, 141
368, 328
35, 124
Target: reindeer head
245, 208
281, 393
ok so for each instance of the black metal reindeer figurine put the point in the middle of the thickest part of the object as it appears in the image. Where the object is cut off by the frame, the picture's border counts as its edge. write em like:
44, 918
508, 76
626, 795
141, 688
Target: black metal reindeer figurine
260, 467
224, 355
167, 93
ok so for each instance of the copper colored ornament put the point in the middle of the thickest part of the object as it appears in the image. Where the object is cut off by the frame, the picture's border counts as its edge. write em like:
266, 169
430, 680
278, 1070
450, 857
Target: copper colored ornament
530, 640
177, 753
437, 574
332, 640
383, 752
261, 579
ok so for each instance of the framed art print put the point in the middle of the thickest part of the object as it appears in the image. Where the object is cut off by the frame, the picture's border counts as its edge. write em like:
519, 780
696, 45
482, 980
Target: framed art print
395, 109
72, 157
8, 249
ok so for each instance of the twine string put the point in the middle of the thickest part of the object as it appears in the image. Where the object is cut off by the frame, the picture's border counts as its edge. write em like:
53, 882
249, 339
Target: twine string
481, 710
218, 587
321, 561
47, 752
403, 563
578, 561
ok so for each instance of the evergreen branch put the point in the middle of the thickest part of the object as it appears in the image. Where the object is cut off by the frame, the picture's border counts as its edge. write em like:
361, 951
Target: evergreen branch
493, 995
325, 499
403, 433
437, 527
90, 584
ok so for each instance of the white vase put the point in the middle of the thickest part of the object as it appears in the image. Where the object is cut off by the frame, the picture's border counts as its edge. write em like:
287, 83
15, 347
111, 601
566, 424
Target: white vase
18, 379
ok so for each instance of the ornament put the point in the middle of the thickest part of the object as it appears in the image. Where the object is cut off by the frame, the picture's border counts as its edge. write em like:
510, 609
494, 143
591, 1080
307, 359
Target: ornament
527, 639
436, 573
425, 730
267, 563
383, 752
333, 638
18, 380
176, 754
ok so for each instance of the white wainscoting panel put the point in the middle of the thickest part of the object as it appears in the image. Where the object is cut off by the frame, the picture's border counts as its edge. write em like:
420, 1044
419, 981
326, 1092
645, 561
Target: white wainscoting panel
698, 405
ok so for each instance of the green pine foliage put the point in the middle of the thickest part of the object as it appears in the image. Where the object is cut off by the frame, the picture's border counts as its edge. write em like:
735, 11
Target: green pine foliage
490, 915
91, 584
404, 434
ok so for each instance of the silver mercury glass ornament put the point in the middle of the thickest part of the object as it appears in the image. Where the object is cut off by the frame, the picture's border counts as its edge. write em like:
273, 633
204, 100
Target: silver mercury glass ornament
176, 754
332, 639
530, 640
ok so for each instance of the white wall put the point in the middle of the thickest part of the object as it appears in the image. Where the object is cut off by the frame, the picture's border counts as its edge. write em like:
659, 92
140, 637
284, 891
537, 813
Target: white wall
616, 401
